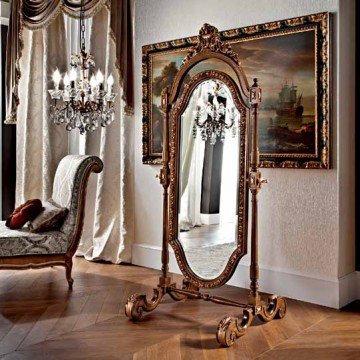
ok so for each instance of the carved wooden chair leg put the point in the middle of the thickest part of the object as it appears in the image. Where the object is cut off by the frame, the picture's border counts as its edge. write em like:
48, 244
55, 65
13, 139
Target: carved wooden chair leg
68, 268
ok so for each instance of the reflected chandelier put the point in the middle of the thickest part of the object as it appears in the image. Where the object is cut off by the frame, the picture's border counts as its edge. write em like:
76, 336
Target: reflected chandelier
218, 118
82, 103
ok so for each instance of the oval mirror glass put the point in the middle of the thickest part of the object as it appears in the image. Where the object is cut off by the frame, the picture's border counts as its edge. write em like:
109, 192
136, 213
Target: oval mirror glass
208, 178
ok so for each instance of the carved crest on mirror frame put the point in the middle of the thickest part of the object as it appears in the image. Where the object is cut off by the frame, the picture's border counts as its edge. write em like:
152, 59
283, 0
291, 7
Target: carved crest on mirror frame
209, 38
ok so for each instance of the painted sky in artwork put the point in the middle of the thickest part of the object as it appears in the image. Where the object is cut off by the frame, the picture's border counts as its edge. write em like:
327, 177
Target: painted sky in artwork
160, 61
274, 60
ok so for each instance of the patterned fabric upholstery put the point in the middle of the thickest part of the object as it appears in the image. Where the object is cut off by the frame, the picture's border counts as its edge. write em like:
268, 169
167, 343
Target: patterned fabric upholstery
24, 242
66, 193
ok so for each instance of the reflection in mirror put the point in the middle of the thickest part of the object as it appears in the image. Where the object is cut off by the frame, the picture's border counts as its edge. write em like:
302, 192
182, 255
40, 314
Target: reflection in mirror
208, 184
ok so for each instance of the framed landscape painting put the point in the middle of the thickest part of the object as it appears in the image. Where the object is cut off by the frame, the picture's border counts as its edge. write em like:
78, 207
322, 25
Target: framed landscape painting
291, 60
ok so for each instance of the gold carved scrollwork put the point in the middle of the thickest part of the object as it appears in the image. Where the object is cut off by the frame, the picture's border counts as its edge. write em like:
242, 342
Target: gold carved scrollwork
137, 304
290, 164
267, 164
163, 45
145, 109
295, 21
178, 42
272, 25
209, 38
231, 328
250, 29
231, 33
313, 165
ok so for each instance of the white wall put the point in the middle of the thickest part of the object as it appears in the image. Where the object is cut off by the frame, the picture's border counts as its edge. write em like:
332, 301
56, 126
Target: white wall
301, 230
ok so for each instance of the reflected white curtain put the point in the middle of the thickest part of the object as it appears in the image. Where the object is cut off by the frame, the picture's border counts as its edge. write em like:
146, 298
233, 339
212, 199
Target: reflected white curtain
109, 200
40, 144
229, 176
192, 164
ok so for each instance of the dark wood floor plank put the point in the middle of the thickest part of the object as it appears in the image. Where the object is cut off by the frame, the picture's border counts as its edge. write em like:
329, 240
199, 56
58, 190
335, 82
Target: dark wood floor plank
44, 325
18, 332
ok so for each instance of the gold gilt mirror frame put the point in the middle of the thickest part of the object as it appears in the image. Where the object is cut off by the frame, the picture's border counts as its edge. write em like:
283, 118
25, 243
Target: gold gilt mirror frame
242, 207
246, 100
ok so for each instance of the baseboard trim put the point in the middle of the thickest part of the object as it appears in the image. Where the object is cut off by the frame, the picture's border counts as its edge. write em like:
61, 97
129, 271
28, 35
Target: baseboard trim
327, 292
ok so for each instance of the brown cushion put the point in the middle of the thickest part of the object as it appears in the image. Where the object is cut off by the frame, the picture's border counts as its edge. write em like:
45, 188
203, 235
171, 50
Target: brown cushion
50, 219
24, 213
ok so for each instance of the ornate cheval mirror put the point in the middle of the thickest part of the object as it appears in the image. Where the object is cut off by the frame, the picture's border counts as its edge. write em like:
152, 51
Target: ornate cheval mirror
210, 165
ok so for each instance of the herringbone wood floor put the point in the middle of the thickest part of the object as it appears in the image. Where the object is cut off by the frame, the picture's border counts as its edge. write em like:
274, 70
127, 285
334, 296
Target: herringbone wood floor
40, 319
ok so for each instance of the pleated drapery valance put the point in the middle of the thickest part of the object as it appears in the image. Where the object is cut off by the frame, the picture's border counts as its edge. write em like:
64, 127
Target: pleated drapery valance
37, 14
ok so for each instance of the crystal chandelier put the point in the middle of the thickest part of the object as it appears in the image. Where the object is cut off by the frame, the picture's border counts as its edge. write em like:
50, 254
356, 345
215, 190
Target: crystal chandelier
212, 117
82, 103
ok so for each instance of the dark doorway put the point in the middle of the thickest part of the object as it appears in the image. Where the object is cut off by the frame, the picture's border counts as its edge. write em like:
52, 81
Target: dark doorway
8, 142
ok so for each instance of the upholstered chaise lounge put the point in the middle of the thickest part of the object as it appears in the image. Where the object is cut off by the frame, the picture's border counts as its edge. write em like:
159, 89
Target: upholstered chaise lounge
22, 249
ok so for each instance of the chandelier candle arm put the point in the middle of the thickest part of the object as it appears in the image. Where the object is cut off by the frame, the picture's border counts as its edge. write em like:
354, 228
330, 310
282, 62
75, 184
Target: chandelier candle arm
56, 78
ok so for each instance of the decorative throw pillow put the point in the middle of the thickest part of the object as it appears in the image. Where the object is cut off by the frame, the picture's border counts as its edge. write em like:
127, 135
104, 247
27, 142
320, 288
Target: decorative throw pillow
50, 219
24, 213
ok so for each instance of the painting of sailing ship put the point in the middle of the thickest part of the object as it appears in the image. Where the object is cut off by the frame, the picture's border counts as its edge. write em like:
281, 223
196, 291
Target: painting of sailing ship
287, 76
288, 65
289, 130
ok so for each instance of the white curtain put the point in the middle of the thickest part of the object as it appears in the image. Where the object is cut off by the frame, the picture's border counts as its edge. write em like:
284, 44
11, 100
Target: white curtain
192, 164
40, 144
108, 227
109, 220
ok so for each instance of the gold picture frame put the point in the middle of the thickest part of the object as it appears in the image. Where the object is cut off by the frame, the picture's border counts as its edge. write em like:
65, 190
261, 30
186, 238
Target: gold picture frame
287, 139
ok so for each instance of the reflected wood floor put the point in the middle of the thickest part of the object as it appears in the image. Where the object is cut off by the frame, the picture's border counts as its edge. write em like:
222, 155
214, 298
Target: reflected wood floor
41, 319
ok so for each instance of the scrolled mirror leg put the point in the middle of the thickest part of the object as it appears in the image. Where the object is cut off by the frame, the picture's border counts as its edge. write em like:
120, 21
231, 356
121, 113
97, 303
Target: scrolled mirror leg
275, 308
231, 328
137, 304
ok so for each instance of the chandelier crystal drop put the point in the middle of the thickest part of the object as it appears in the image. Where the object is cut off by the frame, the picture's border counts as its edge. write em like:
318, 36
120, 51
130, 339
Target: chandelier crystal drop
84, 101
213, 119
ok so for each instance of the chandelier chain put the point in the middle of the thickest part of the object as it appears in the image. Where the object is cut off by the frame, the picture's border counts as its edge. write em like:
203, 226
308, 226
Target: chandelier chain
82, 26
